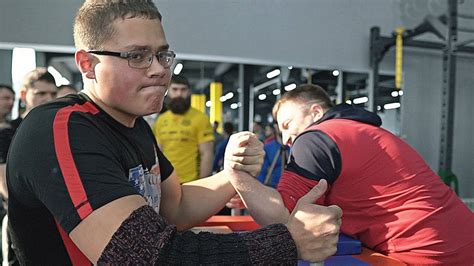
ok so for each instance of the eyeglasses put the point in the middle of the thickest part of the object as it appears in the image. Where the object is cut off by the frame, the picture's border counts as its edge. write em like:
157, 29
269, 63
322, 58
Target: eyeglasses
142, 58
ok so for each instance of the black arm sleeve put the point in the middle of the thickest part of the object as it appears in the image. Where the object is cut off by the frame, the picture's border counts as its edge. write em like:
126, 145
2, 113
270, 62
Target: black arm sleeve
145, 238
316, 156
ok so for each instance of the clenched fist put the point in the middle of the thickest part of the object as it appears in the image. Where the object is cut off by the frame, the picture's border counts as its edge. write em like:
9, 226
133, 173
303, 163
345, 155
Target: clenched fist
315, 228
244, 152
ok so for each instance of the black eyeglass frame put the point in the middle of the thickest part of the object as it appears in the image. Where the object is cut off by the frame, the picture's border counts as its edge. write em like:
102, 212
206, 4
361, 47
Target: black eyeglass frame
126, 55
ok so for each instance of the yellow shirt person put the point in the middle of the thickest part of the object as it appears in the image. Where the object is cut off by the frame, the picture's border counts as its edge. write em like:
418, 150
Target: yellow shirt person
185, 134
179, 137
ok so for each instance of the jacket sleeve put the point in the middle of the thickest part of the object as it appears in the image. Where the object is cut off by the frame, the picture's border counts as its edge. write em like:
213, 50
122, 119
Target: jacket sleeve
314, 156
145, 238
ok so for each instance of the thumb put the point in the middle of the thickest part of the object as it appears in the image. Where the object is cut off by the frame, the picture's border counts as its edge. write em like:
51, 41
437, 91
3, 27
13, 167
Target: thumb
315, 193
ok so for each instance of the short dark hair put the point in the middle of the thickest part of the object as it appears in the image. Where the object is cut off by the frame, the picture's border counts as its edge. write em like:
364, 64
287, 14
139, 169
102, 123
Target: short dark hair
6, 87
228, 128
37, 74
179, 79
93, 25
303, 94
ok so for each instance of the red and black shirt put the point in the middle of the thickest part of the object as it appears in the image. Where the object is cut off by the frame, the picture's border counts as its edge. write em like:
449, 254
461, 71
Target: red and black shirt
392, 201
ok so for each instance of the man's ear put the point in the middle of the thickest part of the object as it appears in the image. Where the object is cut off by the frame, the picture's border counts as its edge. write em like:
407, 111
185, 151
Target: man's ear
317, 111
85, 62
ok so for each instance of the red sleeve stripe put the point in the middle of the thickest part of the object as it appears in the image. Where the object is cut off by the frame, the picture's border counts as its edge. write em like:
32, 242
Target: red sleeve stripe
66, 161
293, 186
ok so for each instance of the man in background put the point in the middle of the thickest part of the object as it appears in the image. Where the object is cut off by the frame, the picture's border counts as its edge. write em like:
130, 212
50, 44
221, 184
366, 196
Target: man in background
38, 87
185, 134
276, 155
218, 162
7, 98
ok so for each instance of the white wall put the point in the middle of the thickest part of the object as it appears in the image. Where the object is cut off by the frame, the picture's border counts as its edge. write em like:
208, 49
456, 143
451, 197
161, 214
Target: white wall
421, 113
313, 33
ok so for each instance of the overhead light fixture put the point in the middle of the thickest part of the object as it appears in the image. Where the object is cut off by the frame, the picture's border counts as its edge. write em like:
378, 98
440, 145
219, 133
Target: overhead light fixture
360, 100
64, 81
273, 73
335, 72
349, 102
290, 87
226, 97
400, 92
290, 67
229, 95
60, 80
389, 106
234, 106
379, 107
178, 68
208, 104
276, 91
262, 96
394, 93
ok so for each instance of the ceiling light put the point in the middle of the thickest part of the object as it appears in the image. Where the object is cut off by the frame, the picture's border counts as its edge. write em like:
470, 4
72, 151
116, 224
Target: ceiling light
234, 106
335, 72
394, 93
64, 81
290, 87
290, 67
400, 92
379, 107
178, 68
389, 106
208, 104
276, 91
273, 73
57, 76
262, 97
349, 102
361, 100
223, 98
229, 95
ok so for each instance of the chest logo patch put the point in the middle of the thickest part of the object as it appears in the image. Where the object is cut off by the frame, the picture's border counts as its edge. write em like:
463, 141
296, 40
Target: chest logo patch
147, 183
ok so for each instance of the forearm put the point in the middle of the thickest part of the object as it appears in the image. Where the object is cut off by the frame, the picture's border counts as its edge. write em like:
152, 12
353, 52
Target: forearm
263, 203
205, 166
201, 199
155, 242
3, 181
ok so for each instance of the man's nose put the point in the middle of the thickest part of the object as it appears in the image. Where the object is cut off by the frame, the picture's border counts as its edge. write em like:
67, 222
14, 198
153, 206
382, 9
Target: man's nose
156, 68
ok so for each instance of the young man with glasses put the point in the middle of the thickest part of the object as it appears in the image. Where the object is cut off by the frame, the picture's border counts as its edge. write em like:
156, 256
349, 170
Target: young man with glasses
98, 190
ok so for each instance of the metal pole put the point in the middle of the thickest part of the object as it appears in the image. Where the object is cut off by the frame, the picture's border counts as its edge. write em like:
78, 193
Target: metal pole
448, 92
374, 62
245, 77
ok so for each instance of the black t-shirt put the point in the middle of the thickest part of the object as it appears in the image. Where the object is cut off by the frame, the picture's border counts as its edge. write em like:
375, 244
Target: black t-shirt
6, 136
67, 159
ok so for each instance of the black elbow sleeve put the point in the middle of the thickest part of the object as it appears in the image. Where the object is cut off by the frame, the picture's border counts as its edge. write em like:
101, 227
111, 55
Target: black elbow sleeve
146, 238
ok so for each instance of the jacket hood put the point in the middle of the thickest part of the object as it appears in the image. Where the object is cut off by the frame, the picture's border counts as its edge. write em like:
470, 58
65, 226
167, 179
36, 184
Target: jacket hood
345, 111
